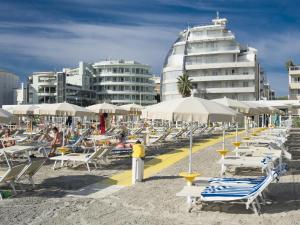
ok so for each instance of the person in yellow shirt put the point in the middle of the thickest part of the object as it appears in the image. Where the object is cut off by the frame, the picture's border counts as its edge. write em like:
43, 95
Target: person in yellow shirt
138, 157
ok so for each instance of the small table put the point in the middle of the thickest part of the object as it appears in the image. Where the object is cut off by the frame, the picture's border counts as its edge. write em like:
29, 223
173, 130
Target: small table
63, 150
189, 177
236, 144
223, 153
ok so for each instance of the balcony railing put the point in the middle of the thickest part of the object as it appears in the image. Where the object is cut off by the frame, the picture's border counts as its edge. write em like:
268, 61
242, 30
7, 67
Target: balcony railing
292, 68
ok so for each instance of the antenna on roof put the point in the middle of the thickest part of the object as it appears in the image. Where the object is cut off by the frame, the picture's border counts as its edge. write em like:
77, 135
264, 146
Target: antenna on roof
218, 15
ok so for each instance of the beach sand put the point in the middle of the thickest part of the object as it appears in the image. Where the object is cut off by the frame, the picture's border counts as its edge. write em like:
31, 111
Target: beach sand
153, 201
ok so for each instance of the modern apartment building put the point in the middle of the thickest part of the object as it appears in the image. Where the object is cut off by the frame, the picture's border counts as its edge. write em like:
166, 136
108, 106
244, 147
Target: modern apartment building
115, 81
294, 83
9, 83
53, 87
123, 82
217, 64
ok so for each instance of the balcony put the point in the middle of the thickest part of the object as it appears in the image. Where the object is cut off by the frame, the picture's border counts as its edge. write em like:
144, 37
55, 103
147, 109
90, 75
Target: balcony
130, 101
192, 66
222, 77
111, 74
208, 51
230, 90
294, 71
294, 97
295, 85
47, 83
125, 92
46, 94
216, 37
127, 83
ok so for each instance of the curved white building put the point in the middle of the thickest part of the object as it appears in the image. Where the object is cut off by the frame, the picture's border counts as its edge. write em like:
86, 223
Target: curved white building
123, 82
9, 83
217, 64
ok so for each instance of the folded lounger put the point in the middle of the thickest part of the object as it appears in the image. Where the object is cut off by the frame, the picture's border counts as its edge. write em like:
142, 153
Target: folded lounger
10, 176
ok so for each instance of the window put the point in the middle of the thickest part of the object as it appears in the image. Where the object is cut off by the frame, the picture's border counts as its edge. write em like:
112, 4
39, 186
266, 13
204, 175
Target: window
115, 70
126, 70
245, 84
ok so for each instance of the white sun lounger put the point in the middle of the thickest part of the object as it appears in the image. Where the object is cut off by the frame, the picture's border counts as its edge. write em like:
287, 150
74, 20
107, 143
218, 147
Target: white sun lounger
10, 176
263, 162
227, 193
83, 157
31, 169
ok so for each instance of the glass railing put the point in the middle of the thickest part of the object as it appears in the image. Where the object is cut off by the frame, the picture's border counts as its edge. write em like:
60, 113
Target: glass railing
292, 68
216, 49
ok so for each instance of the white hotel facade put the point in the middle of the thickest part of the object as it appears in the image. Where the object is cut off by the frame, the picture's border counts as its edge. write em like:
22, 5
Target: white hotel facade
294, 83
217, 64
113, 81
123, 82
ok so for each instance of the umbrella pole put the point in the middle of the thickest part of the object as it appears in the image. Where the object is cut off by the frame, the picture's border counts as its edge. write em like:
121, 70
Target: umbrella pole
236, 131
223, 136
190, 150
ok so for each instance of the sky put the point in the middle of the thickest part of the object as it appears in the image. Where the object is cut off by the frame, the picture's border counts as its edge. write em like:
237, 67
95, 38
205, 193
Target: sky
41, 35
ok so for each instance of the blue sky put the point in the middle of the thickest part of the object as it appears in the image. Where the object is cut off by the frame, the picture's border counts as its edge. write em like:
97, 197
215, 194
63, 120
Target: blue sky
40, 35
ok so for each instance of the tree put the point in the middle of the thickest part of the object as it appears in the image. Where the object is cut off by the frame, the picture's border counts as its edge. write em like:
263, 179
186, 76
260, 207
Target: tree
184, 85
288, 64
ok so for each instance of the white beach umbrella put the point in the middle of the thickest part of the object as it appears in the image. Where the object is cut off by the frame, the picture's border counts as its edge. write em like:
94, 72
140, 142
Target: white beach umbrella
258, 108
62, 109
234, 104
22, 109
107, 108
133, 108
190, 109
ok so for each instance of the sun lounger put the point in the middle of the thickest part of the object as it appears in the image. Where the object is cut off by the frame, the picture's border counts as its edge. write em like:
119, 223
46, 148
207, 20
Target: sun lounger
264, 162
227, 193
10, 176
83, 157
30, 170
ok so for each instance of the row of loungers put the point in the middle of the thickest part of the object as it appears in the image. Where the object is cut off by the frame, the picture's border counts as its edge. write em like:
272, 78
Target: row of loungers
248, 190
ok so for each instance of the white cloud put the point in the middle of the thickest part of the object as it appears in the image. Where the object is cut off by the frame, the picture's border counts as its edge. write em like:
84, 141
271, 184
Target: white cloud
147, 44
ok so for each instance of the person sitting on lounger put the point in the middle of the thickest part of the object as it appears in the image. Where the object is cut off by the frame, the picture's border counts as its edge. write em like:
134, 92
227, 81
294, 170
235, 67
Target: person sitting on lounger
56, 142
7, 141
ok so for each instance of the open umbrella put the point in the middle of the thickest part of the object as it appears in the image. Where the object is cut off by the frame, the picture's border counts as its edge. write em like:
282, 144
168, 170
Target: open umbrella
133, 108
22, 110
107, 108
62, 109
234, 104
190, 109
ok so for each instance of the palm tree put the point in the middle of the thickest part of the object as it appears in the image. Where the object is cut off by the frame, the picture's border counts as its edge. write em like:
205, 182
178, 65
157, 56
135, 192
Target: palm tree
288, 64
184, 85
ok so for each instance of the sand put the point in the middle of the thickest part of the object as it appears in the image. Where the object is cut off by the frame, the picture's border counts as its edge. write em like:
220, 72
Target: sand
153, 201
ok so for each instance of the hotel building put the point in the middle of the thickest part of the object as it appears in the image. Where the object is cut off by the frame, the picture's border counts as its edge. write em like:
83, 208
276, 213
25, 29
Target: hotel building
294, 83
217, 64
53, 87
123, 82
115, 81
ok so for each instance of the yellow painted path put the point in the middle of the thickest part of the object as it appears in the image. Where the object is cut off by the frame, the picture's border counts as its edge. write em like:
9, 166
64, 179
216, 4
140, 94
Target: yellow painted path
163, 161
